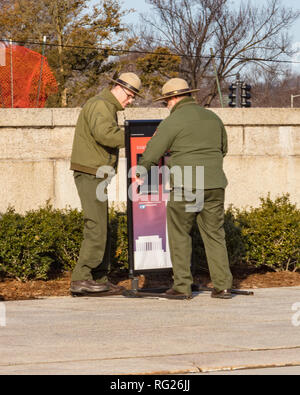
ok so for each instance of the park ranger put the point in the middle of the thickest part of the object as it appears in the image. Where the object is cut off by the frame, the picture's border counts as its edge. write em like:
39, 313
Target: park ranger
195, 138
96, 143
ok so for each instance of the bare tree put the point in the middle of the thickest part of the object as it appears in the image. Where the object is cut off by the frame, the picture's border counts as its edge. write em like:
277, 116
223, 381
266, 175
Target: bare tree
273, 89
238, 37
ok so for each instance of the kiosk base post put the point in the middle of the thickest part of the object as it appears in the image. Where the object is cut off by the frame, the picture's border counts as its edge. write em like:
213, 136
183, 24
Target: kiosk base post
135, 284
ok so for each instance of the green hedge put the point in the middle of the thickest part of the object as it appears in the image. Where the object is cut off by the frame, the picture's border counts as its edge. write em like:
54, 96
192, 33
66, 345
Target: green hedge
45, 243
271, 234
39, 244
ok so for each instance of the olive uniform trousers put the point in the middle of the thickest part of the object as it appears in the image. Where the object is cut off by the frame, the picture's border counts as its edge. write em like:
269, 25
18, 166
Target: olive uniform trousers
94, 257
210, 222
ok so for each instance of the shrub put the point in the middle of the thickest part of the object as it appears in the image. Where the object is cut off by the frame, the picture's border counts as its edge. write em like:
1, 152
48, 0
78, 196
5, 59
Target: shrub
70, 238
46, 242
10, 241
32, 246
119, 239
271, 234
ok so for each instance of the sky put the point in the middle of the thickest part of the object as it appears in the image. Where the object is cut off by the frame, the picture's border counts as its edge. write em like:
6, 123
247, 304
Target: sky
141, 7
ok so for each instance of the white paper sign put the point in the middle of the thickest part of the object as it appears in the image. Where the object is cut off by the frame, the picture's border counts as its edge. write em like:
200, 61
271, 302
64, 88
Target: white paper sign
2, 54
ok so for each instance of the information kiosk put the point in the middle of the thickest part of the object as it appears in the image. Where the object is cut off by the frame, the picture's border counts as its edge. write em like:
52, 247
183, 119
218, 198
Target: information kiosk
147, 225
148, 247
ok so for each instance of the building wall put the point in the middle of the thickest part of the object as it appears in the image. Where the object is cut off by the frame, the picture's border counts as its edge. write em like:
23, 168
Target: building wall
36, 144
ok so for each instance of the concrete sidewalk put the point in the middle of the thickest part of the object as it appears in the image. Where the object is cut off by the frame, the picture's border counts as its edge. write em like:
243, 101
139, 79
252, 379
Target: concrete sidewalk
118, 335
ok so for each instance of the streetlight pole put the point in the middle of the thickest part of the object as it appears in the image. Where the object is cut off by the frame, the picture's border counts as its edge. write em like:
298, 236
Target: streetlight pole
217, 78
292, 100
238, 91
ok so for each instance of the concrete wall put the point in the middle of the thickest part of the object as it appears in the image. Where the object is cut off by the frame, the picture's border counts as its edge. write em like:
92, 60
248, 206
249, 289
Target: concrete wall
264, 155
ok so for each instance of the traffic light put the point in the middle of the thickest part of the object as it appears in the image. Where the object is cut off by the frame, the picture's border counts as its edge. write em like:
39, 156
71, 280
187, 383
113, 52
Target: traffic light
233, 95
245, 95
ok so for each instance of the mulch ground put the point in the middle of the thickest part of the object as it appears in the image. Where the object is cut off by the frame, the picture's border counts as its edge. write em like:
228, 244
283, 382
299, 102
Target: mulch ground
243, 279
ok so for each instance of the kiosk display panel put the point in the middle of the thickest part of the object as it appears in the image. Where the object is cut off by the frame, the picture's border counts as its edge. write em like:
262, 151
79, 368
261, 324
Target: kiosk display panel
147, 226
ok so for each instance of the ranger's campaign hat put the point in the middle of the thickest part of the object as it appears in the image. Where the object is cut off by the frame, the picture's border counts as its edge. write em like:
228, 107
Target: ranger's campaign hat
129, 81
175, 87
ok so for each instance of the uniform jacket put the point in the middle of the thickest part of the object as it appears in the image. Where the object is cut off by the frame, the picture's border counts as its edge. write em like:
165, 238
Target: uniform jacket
97, 136
194, 136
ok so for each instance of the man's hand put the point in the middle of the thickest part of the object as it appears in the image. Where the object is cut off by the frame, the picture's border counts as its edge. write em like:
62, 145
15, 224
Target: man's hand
139, 181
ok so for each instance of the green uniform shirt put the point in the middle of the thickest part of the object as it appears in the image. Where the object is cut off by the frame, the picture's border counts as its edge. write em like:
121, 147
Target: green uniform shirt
97, 136
194, 136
